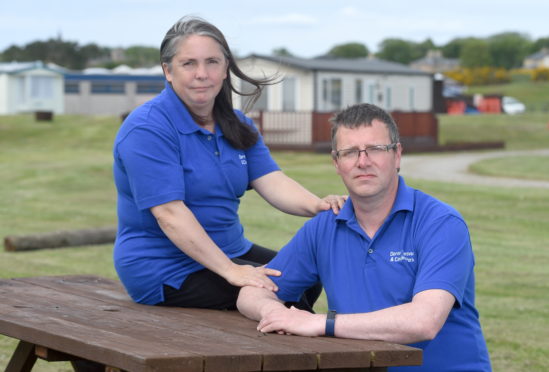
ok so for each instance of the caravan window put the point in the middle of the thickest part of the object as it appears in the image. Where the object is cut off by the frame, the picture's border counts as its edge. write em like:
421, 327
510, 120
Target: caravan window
108, 87
288, 94
42, 86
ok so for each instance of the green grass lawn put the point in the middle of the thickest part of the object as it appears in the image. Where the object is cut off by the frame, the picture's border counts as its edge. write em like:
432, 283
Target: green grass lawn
58, 176
525, 167
519, 132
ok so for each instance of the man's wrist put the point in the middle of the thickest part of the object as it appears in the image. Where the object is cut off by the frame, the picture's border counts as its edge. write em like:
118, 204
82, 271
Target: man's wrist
270, 306
330, 324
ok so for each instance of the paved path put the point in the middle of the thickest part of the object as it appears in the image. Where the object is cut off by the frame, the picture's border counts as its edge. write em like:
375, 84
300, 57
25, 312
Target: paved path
453, 167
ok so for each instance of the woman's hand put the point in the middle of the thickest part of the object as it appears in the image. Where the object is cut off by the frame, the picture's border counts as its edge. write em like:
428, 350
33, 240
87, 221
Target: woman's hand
335, 202
242, 275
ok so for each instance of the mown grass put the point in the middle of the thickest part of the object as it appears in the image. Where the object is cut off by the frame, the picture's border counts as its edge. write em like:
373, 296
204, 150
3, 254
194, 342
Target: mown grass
518, 132
526, 167
58, 176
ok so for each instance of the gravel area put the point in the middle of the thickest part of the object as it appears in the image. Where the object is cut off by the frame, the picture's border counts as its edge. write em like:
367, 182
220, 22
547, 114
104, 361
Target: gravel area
453, 167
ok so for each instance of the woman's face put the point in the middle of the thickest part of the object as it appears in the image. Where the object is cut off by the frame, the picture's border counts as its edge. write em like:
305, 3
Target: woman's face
197, 72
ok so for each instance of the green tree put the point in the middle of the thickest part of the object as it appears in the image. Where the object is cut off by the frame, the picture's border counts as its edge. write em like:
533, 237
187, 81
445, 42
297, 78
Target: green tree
539, 44
453, 48
63, 52
93, 51
421, 49
397, 50
349, 50
281, 52
508, 49
475, 53
56, 51
141, 56
13, 53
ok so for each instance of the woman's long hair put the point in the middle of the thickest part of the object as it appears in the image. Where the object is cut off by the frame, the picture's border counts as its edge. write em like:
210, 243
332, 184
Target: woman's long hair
239, 134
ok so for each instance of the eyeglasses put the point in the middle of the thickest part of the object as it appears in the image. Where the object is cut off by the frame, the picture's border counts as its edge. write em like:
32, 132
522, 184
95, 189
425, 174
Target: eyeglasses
372, 152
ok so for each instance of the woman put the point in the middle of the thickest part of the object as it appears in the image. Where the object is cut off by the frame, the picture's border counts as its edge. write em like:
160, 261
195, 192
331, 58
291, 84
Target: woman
182, 161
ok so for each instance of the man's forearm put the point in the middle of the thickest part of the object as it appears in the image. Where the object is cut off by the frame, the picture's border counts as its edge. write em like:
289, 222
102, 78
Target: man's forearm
415, 321
255, 302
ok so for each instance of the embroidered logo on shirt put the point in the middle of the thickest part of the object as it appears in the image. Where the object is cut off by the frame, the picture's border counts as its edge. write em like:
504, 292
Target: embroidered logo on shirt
242, 158
398, 256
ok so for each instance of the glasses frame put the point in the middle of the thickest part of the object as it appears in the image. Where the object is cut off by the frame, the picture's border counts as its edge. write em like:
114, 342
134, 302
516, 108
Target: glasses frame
385, 148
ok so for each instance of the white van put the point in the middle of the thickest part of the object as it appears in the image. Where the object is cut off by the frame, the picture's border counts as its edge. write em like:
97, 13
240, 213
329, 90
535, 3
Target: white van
512, 106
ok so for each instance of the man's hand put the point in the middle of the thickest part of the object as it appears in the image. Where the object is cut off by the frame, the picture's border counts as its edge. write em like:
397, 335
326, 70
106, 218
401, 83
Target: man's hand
293, 321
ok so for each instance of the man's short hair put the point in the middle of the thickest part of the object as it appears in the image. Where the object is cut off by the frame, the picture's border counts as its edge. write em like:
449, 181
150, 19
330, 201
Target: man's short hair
363, 114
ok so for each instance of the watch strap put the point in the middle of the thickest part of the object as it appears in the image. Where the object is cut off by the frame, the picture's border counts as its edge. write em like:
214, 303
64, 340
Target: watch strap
330, 323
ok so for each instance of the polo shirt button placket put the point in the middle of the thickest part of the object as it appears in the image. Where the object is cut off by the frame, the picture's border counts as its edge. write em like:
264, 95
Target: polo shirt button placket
370, 251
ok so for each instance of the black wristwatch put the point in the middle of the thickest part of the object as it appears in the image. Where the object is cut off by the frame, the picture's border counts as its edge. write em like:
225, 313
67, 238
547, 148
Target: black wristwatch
330, 323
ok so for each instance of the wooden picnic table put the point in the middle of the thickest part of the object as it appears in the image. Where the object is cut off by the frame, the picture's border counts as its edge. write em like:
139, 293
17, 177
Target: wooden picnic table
72, 318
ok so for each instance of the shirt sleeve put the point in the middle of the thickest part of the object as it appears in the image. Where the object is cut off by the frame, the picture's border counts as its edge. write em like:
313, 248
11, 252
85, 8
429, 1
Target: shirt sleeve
150, 158
260, 161
445, 257
297, 262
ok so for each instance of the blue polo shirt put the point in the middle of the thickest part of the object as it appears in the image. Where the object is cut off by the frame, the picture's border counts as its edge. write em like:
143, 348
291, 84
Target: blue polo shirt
423, 244
161, 155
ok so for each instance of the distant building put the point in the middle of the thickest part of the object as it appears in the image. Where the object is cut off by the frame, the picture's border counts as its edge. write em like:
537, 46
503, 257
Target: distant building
30, 87
99, 91
295, 114
330, 84
434, 62
538, 59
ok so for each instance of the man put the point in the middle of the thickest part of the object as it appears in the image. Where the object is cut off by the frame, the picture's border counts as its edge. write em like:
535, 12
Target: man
396, 264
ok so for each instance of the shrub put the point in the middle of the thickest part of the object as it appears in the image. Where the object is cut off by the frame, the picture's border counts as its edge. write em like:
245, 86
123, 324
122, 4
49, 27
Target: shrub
540, 74
480, 75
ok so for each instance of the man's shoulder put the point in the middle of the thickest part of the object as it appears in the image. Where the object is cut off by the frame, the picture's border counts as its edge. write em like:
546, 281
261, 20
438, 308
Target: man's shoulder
318, 226
324, 218
432, 207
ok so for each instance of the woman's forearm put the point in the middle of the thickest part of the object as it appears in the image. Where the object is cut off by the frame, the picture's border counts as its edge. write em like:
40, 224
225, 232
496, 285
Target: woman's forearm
185, 232
287, 195
183, 229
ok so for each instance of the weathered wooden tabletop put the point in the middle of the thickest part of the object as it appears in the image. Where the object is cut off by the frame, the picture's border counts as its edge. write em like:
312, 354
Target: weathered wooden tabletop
92, 318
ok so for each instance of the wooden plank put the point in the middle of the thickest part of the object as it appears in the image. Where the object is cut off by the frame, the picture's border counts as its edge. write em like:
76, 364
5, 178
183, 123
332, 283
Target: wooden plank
23, 358
331, 352
231, 321
150, 327
275, 356
385, 354
112, 352
146, 344
44, 323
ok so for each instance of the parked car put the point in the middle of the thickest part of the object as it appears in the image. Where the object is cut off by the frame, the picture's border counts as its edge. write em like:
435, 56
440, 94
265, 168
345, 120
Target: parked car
510, 105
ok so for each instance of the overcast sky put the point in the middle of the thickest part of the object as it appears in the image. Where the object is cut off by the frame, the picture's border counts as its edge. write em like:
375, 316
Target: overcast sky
306, 28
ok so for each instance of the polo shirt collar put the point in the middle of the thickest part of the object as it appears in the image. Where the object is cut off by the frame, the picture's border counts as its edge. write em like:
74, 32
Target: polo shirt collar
404, 201
187, 125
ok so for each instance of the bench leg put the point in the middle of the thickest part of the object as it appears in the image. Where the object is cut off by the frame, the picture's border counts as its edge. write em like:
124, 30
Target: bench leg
23, 358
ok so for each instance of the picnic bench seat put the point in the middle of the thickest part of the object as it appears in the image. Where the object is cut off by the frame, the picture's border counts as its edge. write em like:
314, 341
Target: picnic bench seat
89, 319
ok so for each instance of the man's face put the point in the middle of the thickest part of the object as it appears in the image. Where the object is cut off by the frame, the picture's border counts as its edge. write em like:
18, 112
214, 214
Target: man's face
368, 176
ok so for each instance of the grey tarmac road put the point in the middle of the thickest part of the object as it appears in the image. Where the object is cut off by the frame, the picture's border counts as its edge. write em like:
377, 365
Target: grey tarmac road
453, 167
